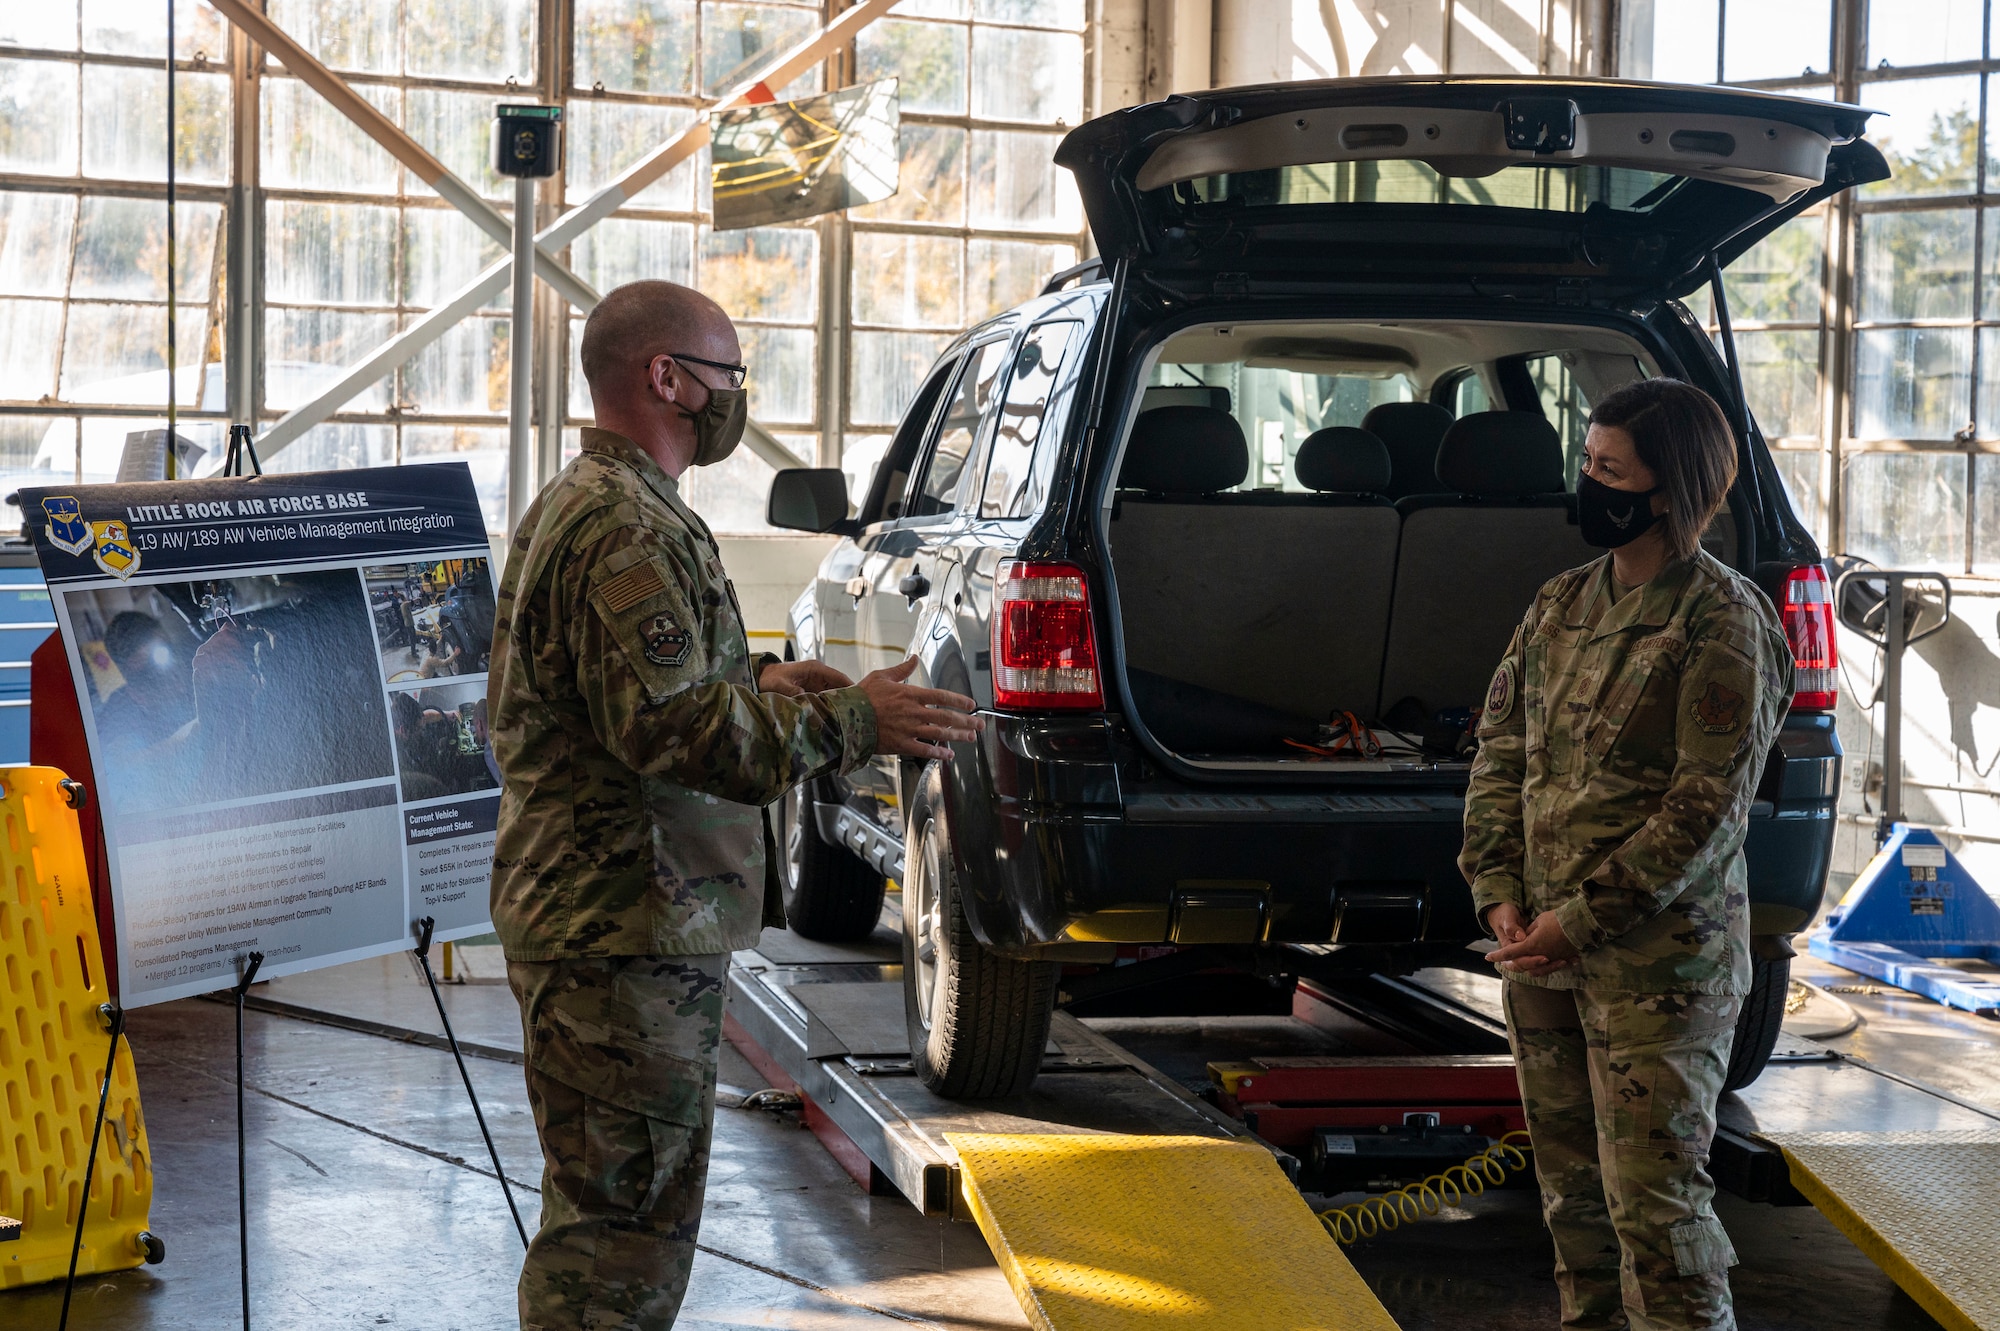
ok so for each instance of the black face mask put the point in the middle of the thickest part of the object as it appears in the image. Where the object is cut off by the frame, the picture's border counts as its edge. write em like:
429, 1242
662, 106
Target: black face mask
1611, 518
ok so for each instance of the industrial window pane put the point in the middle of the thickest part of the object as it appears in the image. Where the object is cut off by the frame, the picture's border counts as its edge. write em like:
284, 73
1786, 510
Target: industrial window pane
1778, 280
1495, 37
636, 45
309, 145
487, 40
1916, 265
342, 254
345, 34
38, 117
35, 232
1930, 135
909, 281
762, 272
602, 139
458, 128
1799, 469
36, 450
1034, 13
105, 439
442, 252
47, 26
930, 185
931, 9
1923, 32
1022, 75
118, 353
730, 496
30, 331
626, 249
886, 370
1671, 41
482, 448
121, 249
305, 351
1777, 39
1987, 413
1781, 379
462, 373
1912, 383
580, 407
1003, 273
125, 125
1906, 510
331, 445
783, 372
737, 39
1986, 514
1016, 185
927, 59
139, 27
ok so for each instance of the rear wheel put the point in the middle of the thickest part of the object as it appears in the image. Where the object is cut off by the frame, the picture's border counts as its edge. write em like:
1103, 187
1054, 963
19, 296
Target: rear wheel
978, 1023
831, 895
1757, 1024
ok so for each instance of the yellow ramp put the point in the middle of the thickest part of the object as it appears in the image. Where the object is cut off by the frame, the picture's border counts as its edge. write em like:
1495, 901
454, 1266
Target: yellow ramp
1102, 1232
1925, 1206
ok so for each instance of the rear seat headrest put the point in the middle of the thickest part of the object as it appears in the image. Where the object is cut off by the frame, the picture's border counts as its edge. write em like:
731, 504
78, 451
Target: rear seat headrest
1410, 431
1185, 450
1501, 454
1343, 460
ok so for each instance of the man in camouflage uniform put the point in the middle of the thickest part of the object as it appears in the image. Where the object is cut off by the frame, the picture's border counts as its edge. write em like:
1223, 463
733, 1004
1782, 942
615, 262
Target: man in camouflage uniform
638, 744
1621, 741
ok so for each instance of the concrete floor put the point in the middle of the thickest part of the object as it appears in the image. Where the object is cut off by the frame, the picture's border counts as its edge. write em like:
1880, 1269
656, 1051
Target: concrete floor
371, 1203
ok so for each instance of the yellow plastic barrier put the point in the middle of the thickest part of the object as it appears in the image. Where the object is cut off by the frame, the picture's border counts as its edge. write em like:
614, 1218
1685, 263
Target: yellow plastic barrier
52, 1047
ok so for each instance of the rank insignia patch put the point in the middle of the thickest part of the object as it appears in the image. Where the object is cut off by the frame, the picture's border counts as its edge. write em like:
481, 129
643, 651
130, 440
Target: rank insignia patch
1500, 695
67, 529
1719, 710
666, 642
112, 547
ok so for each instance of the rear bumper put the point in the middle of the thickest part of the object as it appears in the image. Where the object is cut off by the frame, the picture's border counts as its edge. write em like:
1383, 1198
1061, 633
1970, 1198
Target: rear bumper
1067, 835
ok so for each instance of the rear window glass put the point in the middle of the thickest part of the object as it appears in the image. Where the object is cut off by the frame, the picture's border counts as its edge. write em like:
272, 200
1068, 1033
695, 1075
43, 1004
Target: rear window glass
1569, 189
1277, 408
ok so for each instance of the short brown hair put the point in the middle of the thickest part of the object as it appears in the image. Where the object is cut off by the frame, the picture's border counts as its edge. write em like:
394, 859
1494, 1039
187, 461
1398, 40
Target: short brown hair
1685, 440
639, 321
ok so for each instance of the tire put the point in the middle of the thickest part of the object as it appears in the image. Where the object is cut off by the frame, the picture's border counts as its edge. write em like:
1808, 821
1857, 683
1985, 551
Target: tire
831, 895
978, 1023
1757, 1024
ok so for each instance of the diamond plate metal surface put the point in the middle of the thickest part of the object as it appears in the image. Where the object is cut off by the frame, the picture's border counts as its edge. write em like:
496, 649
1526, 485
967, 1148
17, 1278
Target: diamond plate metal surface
1103, 1232
1925, 1206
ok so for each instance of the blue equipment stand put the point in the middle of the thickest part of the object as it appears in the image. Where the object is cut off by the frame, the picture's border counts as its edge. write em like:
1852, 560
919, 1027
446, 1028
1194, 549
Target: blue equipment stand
1913, 903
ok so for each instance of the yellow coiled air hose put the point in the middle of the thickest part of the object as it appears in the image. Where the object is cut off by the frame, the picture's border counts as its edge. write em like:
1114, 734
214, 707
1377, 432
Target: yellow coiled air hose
1378, 1215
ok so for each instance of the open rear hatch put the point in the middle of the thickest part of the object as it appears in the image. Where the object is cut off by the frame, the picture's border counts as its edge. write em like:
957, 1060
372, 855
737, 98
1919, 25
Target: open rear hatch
1629, 187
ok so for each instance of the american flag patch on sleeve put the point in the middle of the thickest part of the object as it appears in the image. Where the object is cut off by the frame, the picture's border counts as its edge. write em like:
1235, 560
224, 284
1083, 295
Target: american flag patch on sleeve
632, 586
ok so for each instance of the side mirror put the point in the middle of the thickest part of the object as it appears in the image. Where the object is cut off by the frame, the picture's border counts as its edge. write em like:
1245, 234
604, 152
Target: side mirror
810, 499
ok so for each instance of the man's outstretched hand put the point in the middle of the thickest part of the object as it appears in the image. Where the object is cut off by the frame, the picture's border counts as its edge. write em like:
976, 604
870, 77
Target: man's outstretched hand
914, 722
793, 678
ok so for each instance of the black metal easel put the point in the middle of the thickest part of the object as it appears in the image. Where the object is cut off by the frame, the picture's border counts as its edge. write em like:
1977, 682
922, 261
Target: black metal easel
425, 928
254, 960
242, 448
114, 1017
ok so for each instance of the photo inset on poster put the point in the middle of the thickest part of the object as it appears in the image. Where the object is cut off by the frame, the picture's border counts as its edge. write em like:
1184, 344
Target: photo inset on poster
432, 618
230, 688
441, 740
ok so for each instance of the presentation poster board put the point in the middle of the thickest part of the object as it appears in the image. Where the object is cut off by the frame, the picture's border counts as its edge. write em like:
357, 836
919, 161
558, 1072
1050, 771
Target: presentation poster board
283, 687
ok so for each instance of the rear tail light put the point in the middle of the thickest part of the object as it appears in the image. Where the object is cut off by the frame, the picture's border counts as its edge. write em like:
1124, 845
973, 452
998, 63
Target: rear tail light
1808, 618
1044, 652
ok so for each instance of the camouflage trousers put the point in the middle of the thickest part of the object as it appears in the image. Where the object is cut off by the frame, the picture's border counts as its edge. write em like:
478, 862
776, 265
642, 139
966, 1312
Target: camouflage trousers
621, 1060
1620, 1093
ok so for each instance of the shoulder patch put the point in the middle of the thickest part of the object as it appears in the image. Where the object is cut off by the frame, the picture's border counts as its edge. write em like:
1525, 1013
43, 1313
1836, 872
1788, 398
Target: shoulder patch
1500, 694
1719, 709
664, 640
634, 585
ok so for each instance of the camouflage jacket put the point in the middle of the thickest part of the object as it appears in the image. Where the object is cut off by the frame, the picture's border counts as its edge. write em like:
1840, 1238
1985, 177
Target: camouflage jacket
634, 748
1619, 747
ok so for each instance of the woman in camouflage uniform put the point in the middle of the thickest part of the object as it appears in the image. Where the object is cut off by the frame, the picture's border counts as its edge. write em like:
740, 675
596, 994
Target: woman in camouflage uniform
1621, 740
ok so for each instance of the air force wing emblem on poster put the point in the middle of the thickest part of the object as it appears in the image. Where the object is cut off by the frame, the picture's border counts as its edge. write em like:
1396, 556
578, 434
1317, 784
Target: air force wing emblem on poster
67, 529
112, 547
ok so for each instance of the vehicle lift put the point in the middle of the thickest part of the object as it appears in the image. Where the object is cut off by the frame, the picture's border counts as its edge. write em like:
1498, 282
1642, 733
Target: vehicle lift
1914, 903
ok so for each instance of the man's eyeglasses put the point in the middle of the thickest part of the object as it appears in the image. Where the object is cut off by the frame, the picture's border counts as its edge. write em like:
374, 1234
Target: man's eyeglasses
736, 373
